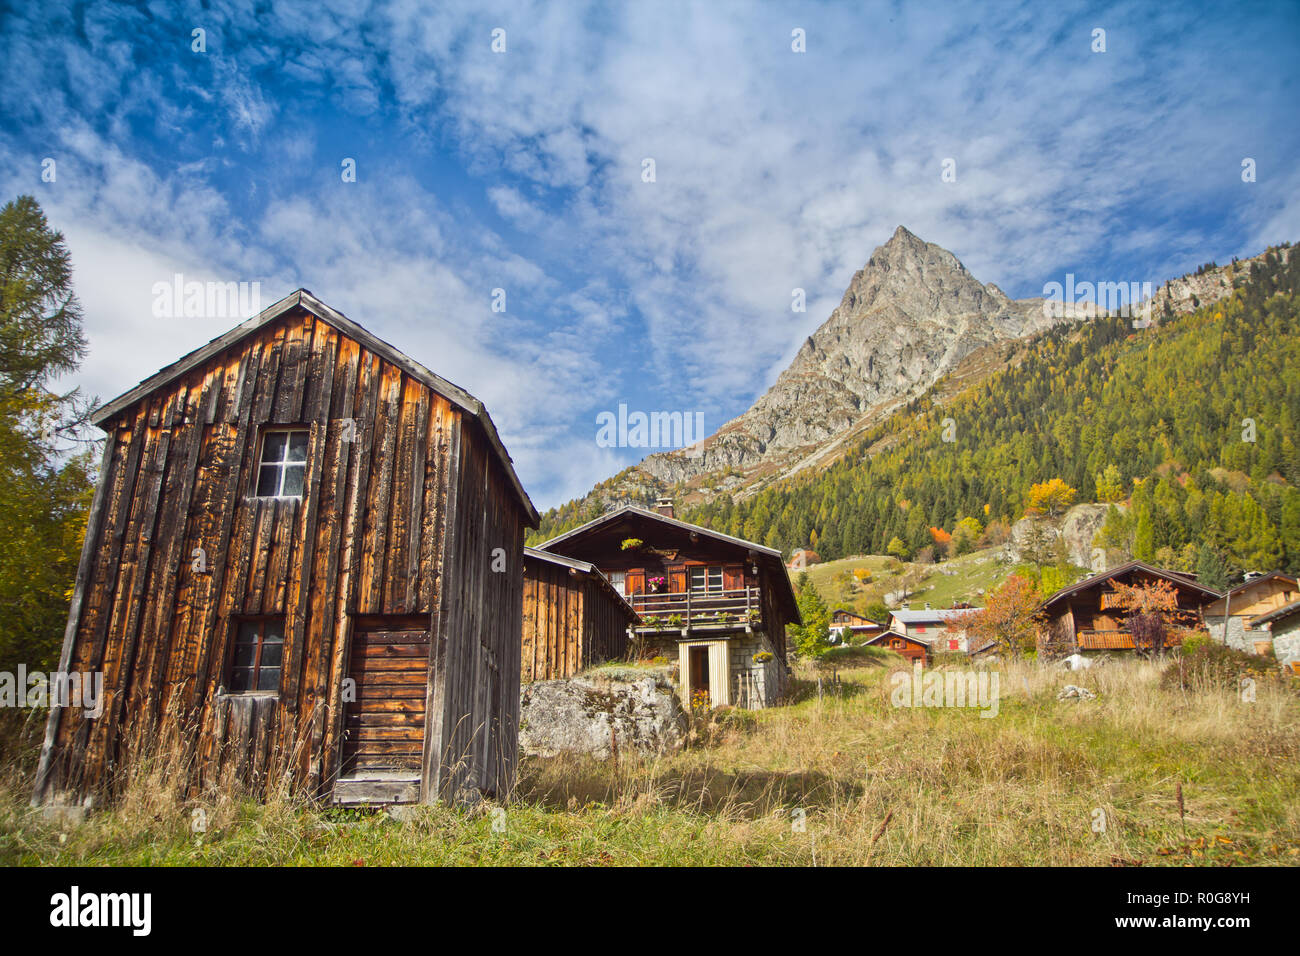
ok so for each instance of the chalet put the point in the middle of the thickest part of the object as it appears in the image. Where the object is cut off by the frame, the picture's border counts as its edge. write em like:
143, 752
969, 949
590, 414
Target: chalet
847, 624
1086, 615
717, 604
573, 617
1229, 618
1282, 624
303, 564
913, 648
931, 625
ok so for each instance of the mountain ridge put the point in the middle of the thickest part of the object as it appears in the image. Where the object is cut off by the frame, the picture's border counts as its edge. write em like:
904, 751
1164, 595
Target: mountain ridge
912, 321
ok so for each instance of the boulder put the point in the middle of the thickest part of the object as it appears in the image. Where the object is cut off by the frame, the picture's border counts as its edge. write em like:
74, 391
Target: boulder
1071, 692
598, 713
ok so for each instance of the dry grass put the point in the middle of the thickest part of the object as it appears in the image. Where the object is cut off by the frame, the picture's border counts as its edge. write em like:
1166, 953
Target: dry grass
845, 779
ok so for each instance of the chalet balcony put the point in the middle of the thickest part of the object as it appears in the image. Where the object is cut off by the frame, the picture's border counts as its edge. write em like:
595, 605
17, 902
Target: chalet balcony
1115, 640
699, 611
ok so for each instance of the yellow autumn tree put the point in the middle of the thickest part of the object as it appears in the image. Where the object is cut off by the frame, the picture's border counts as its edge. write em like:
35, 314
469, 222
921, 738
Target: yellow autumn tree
1049, 499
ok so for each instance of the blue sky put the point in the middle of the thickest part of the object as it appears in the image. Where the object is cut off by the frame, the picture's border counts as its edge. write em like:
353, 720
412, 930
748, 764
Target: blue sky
522, 170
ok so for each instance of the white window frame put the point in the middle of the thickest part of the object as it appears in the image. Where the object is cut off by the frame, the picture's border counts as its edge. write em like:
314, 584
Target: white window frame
714, 579
283, 463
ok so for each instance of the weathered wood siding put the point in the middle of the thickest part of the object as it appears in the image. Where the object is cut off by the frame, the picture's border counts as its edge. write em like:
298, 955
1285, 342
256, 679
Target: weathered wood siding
180, 548
473, 737
570, 622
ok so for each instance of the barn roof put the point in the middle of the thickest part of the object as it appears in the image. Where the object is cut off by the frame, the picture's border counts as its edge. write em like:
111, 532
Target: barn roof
770, 555
304, 299
583, 567
1096, 580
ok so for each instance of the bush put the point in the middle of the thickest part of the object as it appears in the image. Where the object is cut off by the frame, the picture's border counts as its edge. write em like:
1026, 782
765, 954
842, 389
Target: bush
1211, 665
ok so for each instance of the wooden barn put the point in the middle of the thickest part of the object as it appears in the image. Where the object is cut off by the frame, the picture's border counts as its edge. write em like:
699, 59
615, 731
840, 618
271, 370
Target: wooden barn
302, 566
717, 604
573, 617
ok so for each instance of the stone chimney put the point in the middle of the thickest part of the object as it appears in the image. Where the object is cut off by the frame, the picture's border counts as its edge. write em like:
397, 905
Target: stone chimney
665, 507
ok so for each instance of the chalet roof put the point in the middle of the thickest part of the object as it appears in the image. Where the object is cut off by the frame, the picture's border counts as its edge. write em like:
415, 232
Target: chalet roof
582, 567
304, 299
772, 555
915, 639
1277, 614
1261, 579
1126, 568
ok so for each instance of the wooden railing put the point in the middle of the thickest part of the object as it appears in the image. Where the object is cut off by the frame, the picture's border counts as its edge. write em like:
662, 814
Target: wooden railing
1116, 638
709, 610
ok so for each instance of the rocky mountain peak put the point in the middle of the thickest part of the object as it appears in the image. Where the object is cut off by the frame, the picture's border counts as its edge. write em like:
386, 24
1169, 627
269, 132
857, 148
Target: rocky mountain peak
906, 319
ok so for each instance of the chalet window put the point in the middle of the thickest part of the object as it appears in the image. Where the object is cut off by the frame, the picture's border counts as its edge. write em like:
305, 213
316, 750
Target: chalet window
706, 579
258, 654
619, 580
283, 464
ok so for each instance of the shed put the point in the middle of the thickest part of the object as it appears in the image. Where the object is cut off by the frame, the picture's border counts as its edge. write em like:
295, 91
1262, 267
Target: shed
573, 617
303, 564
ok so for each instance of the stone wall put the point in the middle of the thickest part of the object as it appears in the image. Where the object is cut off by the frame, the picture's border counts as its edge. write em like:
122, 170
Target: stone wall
755, 685
1240, 637
1286, 641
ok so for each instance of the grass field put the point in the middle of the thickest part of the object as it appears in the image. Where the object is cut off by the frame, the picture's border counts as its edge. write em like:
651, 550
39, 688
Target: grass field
844, 779
962, 579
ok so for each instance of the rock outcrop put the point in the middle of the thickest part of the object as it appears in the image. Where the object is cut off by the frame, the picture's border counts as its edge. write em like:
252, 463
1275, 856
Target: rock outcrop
600, 713
1079, 526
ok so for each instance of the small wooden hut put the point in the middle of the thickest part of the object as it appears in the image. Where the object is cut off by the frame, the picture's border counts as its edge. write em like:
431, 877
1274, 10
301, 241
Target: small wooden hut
302, 564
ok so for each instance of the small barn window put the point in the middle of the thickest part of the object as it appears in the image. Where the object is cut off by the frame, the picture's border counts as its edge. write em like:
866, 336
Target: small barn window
283, 464
258, 654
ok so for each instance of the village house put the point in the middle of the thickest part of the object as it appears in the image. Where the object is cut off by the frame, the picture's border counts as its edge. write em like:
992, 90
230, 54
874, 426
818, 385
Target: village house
931, 626
847, 625
912, 648
573, 617
1086, 615
1229, 619
303, 563
718, 605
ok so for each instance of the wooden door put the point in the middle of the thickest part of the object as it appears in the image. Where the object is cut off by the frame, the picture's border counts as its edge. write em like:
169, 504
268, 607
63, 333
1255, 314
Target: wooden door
384, 725
699, 677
